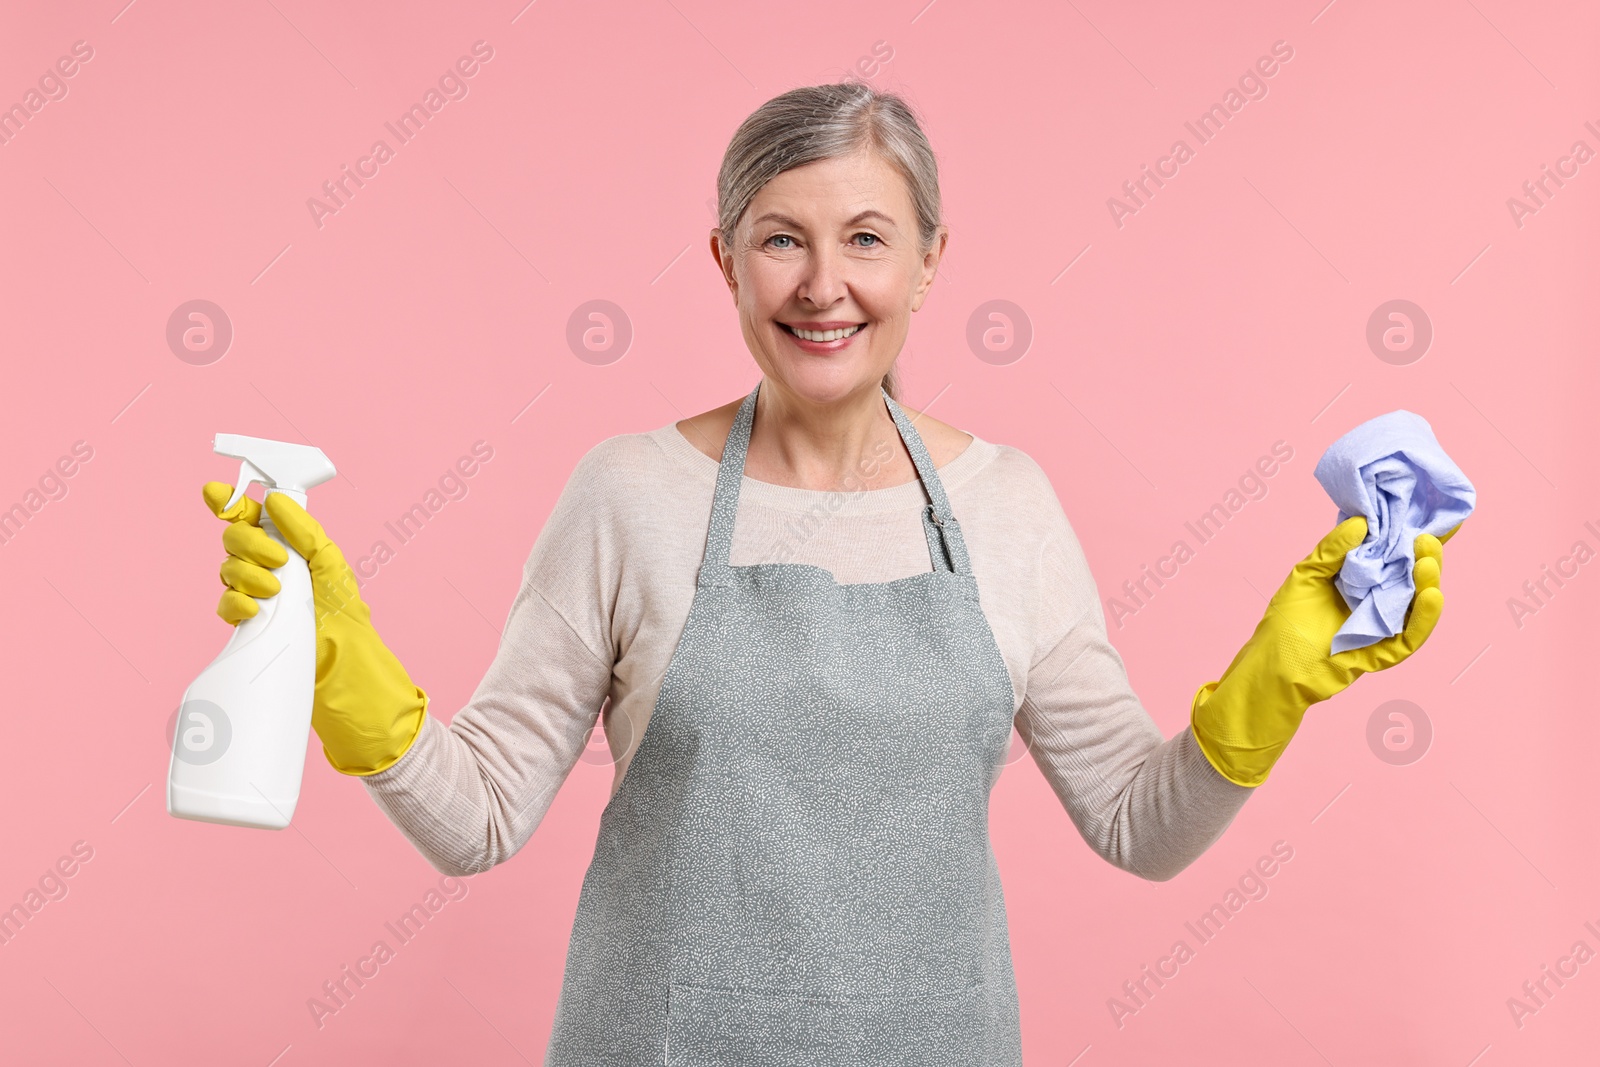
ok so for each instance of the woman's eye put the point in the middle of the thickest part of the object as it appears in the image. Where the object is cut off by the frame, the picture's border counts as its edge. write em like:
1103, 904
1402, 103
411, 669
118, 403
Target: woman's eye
874, 241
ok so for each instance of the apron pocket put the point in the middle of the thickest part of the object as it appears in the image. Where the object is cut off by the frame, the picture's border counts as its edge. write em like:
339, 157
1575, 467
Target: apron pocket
755, 1028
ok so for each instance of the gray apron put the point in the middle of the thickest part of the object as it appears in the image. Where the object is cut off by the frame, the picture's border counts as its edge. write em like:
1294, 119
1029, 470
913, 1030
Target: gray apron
796, 868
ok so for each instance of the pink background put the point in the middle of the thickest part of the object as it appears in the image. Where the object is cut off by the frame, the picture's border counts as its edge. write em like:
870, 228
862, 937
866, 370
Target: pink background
1228, 313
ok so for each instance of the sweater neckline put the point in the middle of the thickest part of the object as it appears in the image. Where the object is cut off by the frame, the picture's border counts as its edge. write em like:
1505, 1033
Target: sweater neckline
790, 498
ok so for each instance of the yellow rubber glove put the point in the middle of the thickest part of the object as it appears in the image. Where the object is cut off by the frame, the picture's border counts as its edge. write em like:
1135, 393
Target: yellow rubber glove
1244, 720
367, 710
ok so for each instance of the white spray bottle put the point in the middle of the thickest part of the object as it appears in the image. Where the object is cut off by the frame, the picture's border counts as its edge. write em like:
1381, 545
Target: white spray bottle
240, 743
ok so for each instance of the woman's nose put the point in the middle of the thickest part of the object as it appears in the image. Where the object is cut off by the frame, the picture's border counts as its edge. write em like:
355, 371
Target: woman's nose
823, 282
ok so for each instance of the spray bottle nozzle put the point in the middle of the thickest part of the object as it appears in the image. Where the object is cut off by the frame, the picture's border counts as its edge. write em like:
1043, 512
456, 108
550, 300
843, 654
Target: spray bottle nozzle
279, 465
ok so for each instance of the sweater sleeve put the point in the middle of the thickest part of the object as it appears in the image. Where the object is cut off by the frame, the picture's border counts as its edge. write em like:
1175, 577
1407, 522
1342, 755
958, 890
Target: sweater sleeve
470, 794
1147, 805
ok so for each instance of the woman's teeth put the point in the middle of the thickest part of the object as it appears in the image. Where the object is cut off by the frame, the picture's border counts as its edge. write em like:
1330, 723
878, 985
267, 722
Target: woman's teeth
824, 335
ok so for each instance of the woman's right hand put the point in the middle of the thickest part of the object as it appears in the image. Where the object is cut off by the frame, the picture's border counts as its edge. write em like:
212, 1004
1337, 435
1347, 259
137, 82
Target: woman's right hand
367, 711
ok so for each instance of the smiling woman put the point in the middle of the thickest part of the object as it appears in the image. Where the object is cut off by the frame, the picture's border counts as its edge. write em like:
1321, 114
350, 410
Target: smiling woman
872, 138
795, 864
829, 238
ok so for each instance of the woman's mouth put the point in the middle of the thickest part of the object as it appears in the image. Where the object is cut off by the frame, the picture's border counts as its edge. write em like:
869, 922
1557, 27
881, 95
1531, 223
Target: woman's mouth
821, 341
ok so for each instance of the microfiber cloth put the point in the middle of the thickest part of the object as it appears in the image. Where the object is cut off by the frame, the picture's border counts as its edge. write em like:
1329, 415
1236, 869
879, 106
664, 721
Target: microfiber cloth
1392, 470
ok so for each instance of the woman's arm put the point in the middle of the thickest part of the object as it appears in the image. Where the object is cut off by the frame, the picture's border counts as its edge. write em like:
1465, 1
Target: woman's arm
470, 794
1146, 805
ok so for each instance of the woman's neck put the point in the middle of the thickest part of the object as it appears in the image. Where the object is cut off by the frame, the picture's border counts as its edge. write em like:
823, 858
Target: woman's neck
850, 443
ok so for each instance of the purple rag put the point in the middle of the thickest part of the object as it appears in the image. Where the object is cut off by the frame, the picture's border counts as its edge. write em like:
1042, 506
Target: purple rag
1392, 470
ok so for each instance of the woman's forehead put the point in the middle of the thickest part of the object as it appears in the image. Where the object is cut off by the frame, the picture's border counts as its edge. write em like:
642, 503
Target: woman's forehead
833, 191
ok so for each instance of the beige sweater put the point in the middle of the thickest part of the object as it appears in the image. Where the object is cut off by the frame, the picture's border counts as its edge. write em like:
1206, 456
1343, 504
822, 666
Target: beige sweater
607, 588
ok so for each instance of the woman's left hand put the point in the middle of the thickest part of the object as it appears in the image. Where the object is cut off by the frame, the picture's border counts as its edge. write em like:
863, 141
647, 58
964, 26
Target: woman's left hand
1244, 720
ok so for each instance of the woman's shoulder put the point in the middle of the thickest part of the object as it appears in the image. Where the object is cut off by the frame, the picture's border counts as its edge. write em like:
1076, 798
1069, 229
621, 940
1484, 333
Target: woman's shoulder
622, 453
639, 481
1001, 472
621, 493
943, 441
708, 431
1010, 475
624, 466
1010, 496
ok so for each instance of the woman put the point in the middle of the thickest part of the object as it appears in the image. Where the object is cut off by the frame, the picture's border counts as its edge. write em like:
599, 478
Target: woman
794, 866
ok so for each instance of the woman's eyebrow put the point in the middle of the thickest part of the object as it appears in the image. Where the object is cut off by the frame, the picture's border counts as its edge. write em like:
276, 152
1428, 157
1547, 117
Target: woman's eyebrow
788, 220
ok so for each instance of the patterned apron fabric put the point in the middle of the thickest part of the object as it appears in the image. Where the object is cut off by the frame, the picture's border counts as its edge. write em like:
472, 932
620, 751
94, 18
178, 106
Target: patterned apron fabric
796, 869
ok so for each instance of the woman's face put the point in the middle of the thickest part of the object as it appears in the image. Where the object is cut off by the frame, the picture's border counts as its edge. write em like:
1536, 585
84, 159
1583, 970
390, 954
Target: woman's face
822, 248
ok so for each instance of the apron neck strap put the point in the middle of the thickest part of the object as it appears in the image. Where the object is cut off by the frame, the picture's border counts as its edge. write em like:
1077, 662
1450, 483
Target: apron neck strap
946, 548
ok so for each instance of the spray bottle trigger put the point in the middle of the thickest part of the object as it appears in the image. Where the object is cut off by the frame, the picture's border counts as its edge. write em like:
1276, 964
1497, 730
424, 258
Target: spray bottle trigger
248, 472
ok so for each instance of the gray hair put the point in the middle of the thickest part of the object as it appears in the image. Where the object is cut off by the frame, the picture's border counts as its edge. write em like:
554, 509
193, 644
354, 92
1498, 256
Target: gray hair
816, 122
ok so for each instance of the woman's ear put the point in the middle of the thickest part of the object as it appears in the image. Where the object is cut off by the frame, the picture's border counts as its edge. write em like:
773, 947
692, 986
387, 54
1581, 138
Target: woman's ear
724, 259
930, 267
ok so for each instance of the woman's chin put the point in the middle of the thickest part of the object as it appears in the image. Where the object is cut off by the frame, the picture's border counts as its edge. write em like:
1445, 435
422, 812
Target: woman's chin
824, 384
